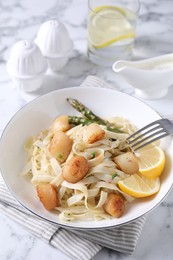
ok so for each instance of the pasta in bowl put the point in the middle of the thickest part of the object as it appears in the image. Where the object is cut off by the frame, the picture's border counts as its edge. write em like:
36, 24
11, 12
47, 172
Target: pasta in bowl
81, 198
79, 163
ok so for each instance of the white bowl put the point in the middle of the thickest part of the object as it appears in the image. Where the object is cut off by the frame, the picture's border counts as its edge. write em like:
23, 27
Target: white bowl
39, 114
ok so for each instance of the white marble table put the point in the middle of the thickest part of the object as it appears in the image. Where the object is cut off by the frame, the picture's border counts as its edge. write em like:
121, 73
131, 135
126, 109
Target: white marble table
21, 20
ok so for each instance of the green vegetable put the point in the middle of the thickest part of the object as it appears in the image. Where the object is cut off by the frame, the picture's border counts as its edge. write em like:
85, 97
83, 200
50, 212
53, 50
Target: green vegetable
60, 156
114, 175
89, 116
93, 155
76, 120
84, 110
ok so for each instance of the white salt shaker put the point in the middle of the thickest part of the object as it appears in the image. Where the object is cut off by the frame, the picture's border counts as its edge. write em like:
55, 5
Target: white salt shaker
54, 41
27, 66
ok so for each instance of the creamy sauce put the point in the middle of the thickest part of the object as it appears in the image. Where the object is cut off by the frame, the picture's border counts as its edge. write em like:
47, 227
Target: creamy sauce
164, 66
168, 65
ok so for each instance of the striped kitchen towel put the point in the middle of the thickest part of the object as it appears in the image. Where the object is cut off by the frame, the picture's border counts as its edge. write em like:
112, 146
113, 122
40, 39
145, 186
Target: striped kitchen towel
82, 245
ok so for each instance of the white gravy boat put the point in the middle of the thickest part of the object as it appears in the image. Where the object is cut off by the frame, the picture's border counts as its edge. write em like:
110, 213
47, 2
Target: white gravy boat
151, 78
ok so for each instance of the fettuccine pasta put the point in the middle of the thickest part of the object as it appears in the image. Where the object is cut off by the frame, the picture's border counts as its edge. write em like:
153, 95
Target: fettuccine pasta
87, 197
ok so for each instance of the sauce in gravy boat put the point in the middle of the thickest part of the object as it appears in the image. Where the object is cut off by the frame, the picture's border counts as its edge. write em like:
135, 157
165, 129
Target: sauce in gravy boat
151, 78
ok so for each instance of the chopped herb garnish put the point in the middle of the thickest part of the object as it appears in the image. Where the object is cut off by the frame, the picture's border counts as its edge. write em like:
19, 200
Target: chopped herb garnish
93, 155
60, 156
114, 175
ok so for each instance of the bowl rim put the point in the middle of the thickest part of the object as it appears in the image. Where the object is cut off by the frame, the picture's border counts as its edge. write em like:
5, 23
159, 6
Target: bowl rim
64, 225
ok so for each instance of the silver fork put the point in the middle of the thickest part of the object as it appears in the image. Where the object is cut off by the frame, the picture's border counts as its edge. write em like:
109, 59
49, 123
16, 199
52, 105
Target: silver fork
151, 133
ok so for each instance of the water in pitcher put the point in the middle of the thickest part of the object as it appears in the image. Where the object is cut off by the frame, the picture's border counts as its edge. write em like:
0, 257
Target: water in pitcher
111, 34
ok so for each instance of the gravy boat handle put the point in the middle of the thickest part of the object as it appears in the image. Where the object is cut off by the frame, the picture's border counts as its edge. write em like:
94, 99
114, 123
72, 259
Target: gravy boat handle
119, 65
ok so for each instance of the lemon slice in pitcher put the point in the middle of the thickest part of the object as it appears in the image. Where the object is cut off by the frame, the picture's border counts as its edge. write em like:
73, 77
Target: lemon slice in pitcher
110, 24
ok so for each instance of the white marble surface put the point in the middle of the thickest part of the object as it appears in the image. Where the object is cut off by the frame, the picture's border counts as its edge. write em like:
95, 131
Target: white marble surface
20, 19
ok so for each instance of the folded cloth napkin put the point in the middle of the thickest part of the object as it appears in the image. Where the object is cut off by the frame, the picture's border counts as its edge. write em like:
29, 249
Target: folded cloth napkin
77, 244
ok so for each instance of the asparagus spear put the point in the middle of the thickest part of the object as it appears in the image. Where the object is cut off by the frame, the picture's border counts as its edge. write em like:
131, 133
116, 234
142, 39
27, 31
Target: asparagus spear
91, 116
84, 110
76, 120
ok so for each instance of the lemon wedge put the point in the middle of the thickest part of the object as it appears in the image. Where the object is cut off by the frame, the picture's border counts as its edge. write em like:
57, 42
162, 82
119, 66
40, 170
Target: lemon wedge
139, 186
151, 161
110, 24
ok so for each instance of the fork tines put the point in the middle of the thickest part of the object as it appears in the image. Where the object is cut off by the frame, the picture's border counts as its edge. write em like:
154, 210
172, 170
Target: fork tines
150, 133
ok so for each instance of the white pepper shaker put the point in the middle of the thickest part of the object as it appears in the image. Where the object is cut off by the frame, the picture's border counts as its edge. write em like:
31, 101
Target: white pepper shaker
26, 65
54, 41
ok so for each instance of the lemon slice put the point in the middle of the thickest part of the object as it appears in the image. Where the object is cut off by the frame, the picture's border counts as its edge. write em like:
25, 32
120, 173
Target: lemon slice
102, 7
139, 186
108, 25
151, 161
